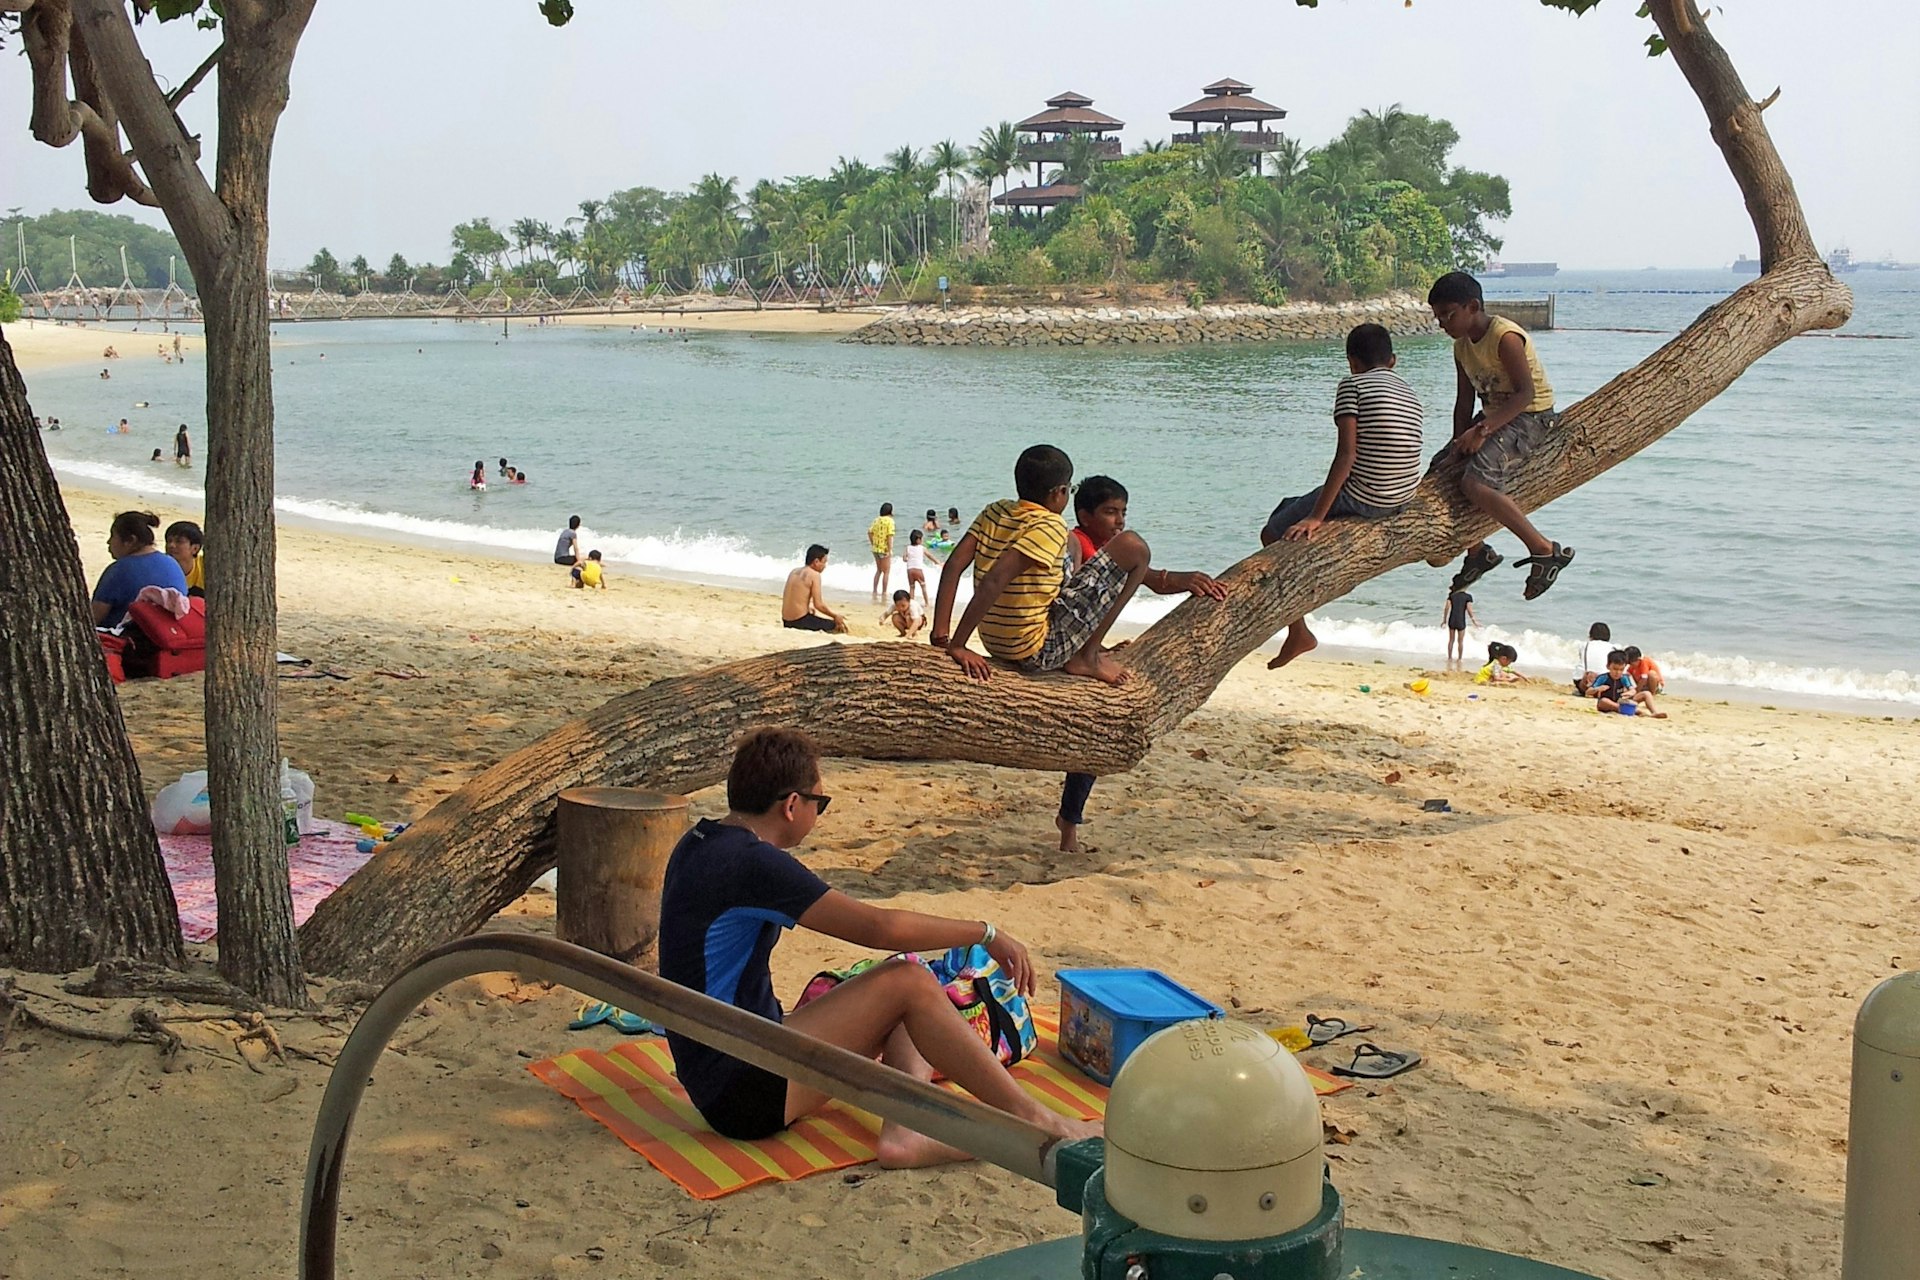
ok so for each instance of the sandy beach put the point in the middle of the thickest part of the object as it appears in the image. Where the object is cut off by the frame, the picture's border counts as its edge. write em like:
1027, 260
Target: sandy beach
1631, 954
40, 344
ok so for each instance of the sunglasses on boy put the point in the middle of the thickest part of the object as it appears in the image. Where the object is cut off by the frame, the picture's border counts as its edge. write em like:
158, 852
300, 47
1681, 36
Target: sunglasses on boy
820, 803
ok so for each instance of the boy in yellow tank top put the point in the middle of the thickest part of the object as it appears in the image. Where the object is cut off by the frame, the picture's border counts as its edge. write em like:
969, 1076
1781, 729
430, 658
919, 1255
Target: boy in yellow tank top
1496, 365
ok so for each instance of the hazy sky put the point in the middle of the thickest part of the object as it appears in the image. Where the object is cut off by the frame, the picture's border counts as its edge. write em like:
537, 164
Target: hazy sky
409, 117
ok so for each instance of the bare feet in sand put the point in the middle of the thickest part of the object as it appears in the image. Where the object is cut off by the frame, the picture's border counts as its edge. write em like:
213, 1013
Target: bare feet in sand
1069, 835
1299, 640
1101, 667
901, 1148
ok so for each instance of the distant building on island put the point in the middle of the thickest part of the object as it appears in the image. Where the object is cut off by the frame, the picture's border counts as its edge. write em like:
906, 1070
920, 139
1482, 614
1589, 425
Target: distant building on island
1229, 102
1067, 115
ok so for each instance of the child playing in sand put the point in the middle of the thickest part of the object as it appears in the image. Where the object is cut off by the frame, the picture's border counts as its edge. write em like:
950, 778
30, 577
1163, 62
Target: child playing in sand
1593, 657
916, 557
1025, 610
590, 574
731, 887
1376, 460
1614, 691
904, 617
1494, 359
1500, 658
1100, 512
1645, 671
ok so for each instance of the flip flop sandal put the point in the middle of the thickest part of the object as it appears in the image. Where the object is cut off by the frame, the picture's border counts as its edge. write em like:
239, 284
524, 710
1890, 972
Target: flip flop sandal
1321, 1030
1545, 570
595, 1012
1371, 1062
1475, 566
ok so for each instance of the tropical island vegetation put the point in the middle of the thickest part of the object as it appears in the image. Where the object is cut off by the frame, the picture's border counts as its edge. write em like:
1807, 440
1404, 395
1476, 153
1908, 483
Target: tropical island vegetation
97, 239
1380, 206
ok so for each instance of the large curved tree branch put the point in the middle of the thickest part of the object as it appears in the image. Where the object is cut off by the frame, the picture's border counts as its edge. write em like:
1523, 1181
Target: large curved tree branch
484, 845
53, 48
167, 156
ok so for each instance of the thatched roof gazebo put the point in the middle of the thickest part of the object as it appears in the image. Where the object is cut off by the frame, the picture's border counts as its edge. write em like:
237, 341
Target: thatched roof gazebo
1229, 102
1067, 114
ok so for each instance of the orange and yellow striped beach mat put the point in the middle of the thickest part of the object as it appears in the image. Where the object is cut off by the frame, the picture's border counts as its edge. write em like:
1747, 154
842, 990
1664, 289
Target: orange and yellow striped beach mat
631, 1090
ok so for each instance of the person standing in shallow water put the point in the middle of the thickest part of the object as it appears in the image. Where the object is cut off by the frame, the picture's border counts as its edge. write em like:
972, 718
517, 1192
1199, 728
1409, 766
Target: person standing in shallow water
1457, 613
182, 448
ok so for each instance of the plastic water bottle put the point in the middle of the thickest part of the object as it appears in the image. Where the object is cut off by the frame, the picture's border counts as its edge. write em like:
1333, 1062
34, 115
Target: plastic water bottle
289, 805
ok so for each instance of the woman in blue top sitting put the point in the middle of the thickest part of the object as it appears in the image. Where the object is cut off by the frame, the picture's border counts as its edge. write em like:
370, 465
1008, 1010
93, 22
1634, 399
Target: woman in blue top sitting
137, 563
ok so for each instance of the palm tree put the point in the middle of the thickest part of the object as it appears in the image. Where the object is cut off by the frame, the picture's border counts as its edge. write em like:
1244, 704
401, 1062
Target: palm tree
848, 178
1082, 158
1219, 159
902, 162
1384, 129
524, 231
949, 159
590, 211
566, 245
1152, 146
713, 206
995, 154
1289, 158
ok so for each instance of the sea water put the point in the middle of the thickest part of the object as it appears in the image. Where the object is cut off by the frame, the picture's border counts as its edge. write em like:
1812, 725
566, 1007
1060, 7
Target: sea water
1768, 542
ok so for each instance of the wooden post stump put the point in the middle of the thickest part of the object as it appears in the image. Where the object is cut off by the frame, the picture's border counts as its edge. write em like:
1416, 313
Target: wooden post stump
612, 848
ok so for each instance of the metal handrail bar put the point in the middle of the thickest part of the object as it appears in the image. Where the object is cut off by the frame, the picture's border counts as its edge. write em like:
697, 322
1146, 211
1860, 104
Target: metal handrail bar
940, 1114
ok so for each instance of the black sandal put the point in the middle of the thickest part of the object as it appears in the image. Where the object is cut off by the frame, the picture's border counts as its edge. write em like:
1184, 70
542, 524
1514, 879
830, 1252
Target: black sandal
1545, 570
1475, 566
1322, 1030
1371, 1062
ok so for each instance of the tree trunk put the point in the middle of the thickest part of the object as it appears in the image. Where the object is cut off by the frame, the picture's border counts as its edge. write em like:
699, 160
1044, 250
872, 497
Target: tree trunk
80, 871
484, 845
223, 229
258, 948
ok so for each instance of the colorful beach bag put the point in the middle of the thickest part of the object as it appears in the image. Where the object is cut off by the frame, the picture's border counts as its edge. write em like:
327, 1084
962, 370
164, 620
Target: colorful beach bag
977, 986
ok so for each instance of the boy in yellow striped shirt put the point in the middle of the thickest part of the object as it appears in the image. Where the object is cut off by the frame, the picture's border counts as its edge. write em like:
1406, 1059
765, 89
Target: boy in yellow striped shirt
1027, 609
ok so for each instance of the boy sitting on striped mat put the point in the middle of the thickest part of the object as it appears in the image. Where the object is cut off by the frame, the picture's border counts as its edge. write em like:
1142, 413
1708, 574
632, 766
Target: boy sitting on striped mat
730, 888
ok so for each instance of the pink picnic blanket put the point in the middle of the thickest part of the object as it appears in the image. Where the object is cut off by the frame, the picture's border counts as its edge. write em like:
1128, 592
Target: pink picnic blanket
318, 865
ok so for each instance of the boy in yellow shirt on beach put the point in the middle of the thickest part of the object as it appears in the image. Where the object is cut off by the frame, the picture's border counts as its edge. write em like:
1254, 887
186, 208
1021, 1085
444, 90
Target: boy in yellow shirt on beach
589, 574
1027, 610
1494, 360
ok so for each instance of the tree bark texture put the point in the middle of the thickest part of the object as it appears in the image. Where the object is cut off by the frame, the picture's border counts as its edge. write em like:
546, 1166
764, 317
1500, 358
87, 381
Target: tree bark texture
612, 847
80, 872
484, 845
223, 229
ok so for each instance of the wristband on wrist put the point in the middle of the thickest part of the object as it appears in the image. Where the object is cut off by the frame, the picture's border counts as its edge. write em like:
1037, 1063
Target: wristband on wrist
986, 939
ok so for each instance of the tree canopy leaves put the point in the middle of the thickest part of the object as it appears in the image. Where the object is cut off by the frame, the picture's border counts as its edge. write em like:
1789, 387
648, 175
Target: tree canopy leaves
97, 238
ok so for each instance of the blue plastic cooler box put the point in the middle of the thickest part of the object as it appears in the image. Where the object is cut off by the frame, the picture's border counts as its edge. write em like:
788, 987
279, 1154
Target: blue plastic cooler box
1105, 1014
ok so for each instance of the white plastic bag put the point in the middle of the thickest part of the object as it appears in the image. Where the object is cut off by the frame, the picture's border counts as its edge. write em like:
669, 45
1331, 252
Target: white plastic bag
303, 796
181, 808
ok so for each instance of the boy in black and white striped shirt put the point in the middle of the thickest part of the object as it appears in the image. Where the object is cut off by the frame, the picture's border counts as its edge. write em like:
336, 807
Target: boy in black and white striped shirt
1376, 464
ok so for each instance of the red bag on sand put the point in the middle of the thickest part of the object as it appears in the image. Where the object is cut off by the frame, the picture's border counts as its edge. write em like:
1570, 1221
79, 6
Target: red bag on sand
114, 648
168, 646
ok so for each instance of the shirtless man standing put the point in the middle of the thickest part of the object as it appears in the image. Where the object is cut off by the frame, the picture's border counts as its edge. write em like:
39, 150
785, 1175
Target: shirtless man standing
801, 606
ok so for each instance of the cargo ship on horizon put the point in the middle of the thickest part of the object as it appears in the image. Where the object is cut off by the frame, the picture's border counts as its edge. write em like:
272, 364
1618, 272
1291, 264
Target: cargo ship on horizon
1499, 269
